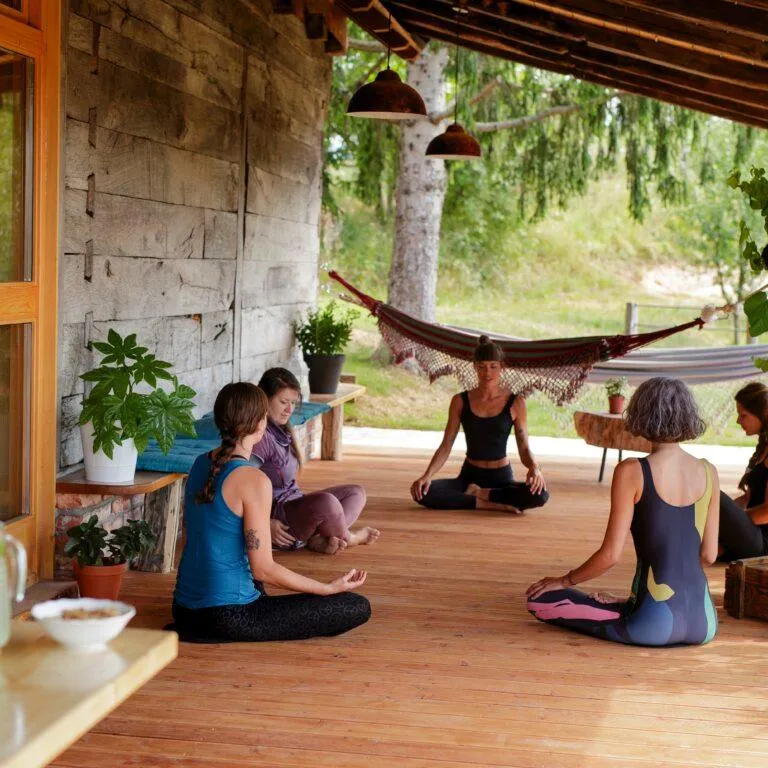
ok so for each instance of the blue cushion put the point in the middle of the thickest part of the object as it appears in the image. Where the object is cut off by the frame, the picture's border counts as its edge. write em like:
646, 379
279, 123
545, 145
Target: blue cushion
186, 449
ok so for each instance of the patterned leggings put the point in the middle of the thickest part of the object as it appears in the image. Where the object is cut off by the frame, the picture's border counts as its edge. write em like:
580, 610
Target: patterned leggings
287, 617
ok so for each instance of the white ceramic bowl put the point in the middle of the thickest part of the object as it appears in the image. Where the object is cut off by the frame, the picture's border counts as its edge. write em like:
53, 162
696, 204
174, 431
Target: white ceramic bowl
82, 634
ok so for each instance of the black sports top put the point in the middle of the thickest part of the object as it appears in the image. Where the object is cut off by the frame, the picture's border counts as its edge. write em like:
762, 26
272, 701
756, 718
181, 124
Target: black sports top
486, 435
756, 481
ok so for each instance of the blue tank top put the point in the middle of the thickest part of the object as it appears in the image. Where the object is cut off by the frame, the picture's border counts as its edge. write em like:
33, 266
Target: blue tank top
486, 435
214, 568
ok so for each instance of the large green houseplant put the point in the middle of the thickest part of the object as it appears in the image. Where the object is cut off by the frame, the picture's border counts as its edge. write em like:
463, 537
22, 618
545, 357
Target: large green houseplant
126, 408
100, 557
323, 337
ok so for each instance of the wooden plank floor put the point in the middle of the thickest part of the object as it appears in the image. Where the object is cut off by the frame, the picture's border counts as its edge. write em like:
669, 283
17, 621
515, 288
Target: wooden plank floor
451, 670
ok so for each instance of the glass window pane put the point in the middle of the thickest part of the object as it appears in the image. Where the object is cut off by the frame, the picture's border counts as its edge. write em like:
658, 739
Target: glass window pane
15, 348
16, 78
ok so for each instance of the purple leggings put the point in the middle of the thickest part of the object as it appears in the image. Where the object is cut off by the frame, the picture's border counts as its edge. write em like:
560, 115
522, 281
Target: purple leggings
329, 512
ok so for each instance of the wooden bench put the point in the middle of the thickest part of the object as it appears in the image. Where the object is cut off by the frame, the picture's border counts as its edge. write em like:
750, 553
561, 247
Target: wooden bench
162, 508
333, 420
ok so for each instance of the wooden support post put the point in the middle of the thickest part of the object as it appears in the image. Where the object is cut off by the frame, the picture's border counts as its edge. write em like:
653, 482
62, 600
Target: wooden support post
330, 444
162, 511
630, 324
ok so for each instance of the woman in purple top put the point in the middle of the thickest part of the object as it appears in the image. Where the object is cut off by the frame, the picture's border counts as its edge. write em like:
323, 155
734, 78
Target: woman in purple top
321, 519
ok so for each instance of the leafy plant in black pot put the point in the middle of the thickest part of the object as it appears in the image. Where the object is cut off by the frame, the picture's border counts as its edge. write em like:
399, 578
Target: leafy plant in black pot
323, 336
100, 558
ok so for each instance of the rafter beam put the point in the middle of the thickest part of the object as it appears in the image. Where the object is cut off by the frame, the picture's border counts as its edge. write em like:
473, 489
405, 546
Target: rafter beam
375, 18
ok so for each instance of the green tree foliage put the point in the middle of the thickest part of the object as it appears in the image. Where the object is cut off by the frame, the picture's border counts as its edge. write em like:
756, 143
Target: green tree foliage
526, 171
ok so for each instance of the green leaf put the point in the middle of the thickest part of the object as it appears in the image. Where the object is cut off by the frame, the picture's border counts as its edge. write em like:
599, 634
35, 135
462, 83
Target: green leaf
761, 363
756, 310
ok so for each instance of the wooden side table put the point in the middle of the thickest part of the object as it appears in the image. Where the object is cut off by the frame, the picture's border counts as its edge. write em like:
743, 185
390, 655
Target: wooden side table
333, 420
162, 508
607, 430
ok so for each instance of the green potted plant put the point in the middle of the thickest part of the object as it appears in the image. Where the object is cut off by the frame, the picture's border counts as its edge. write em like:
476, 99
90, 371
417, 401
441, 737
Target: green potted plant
100, 558
616, 390
118, 421
323, 336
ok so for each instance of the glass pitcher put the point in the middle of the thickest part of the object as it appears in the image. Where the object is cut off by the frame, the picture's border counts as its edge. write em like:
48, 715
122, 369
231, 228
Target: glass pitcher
10, 591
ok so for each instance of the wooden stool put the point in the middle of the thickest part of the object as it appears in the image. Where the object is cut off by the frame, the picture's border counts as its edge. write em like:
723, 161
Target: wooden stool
746, 588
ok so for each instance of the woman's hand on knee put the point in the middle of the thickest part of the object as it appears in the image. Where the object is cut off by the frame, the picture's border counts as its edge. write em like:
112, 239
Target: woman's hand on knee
346, 583
281, 534
545, 585
420, 487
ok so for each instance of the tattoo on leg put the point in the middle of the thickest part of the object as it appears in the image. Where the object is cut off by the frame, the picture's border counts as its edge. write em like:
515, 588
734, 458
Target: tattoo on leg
252, 541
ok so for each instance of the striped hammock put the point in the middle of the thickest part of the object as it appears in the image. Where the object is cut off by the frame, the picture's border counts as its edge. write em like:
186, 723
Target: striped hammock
558, 368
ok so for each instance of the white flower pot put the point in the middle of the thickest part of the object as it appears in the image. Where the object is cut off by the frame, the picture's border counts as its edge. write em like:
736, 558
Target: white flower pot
99, 468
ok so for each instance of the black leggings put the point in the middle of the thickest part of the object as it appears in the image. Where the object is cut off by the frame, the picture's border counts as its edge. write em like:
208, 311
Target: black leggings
738, 534
287, 617
450, 494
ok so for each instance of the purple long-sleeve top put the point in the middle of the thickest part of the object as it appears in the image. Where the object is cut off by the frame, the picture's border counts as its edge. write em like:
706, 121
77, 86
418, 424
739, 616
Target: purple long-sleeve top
279, 464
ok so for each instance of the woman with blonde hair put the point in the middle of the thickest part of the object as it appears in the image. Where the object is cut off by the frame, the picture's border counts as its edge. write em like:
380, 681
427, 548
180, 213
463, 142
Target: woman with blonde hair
219, 596
321, 519
744, 520
668, 500
488, 414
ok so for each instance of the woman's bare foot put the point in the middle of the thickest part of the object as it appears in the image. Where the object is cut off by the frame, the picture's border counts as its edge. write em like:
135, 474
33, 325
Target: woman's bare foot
365, 535
326, 545
483, 504
476, 490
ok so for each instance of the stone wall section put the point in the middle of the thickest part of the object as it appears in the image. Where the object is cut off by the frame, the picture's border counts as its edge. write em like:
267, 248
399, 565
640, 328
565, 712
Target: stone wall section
193, 168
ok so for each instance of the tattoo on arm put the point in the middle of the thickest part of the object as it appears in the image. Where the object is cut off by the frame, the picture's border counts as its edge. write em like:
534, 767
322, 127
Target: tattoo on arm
252, 541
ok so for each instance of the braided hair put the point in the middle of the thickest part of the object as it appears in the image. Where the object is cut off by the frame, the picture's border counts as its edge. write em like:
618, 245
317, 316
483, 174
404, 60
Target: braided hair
238, 411
754, 399
273, 381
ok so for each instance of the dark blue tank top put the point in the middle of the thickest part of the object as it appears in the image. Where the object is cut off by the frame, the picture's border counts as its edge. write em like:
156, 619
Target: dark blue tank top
214, 568
486, 435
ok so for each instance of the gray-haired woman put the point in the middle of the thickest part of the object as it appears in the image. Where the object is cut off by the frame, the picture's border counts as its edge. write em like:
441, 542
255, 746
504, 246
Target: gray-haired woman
669, 500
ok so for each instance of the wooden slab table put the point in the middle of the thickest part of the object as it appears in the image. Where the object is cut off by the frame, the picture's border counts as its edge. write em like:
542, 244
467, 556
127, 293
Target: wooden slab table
607, 430
333, 420
50, 696
162, 508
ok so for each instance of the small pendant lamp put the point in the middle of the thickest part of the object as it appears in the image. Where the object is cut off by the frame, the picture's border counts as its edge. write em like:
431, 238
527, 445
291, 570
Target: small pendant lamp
455, 143
387, 97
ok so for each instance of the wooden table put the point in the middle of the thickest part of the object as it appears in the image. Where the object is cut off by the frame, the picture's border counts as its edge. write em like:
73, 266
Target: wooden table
333, 420
51, 696
607, 430
162, 508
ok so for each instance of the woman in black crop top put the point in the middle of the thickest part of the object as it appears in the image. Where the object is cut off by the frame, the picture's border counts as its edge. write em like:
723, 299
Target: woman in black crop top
744, 520
488, 414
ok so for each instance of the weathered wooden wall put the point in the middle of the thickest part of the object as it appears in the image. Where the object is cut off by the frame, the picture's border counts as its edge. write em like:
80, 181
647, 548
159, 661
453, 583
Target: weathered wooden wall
193, 167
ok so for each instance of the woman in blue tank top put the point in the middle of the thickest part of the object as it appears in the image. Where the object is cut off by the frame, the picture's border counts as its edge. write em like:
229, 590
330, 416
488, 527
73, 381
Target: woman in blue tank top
669, 501
744, 520
228, 552
487, 413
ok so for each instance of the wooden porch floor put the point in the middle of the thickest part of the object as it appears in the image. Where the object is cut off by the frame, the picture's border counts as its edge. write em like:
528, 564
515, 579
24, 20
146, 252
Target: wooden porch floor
451, 670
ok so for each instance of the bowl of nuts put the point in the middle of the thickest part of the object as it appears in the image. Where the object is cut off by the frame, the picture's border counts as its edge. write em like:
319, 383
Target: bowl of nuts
83, 624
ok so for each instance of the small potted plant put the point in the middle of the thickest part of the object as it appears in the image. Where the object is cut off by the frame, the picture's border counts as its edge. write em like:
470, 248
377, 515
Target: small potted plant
323, 336
616, 389
118, 421
100, 558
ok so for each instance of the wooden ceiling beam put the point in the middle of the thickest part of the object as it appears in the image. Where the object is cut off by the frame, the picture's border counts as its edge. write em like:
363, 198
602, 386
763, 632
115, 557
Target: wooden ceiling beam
576, 38
579, 53
619, 17
375, 18
755, 115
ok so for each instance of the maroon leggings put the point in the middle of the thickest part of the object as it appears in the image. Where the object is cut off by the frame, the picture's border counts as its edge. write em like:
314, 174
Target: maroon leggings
329, 512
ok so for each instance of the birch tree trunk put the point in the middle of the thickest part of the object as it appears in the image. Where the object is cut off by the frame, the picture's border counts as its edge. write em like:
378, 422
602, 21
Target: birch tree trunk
419, 196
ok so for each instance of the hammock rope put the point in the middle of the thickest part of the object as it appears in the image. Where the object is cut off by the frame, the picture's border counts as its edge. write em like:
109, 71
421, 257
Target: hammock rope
558, 368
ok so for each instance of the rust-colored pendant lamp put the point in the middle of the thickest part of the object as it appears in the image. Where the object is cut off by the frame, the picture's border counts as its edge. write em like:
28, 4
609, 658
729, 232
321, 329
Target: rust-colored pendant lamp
387, 97
455, 143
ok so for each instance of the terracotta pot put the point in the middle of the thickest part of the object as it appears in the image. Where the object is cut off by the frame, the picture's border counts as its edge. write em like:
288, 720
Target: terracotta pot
616, 404
101, 581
